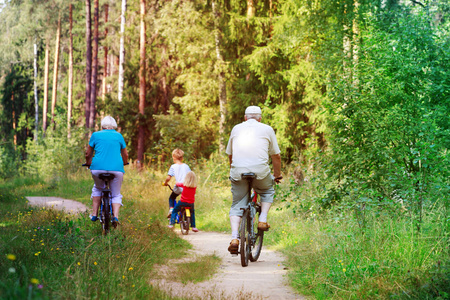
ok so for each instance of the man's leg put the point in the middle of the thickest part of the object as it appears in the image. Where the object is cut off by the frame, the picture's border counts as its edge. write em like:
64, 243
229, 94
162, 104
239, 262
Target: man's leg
266, 191
239, 189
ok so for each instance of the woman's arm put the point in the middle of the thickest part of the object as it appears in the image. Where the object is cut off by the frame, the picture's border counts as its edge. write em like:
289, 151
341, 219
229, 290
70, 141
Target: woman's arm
89, 154
124, 153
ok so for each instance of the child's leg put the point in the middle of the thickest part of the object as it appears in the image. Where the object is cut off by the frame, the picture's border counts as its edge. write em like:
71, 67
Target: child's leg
192, 217
175, 211
172, 200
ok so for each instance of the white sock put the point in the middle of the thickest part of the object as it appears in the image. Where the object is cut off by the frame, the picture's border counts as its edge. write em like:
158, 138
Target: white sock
265, 206
263, 217
234, 235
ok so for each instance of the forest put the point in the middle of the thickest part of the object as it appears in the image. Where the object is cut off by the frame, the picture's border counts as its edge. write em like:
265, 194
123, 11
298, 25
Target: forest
357, 91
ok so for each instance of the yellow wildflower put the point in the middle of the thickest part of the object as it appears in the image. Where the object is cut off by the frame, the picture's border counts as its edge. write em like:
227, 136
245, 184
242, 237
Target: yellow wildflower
11, 256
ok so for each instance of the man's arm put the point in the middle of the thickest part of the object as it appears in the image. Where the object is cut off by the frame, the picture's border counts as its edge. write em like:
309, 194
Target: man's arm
276, 162
124, 153
230, 158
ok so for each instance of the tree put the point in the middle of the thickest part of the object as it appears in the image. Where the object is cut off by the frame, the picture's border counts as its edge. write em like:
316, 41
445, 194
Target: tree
221, 66
55, 70
142, 41
93, 96
87, 103
70, 88
122, 49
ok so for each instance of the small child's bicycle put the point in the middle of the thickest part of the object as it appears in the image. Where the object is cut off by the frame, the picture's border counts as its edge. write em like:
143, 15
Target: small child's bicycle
183, 218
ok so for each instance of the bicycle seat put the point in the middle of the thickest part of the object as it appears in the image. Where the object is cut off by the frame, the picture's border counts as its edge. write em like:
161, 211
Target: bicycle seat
106, 176
249, 175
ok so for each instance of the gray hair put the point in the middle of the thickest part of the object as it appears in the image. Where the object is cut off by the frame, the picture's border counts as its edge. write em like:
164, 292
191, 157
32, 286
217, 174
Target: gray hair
108, 122
253, 116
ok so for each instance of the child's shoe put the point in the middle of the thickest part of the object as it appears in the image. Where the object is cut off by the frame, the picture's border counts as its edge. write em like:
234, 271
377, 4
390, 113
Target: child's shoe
170, 212
170, 226
194, 229
93, 218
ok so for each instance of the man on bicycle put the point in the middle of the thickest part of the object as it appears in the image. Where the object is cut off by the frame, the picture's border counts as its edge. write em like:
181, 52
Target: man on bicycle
250, 145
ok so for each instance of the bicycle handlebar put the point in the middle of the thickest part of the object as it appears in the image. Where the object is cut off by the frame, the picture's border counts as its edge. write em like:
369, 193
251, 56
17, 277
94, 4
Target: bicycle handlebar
278, 179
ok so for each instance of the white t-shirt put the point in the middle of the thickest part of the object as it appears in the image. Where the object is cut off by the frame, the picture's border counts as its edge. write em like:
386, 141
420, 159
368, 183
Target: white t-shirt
251, 144
179, 172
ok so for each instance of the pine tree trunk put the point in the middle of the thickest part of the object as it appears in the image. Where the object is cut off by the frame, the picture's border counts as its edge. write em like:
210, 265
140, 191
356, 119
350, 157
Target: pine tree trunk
69, 94
87, 102
14, 118
55, 70
141, 133
250, 9
46, 73
222, 82
36, 101
105, 50
122, 49
92, 111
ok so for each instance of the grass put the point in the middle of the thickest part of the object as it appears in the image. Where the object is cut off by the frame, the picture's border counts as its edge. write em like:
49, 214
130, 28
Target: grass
47, 254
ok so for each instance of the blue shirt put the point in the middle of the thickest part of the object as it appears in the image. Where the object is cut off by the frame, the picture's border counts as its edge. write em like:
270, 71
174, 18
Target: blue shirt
107, 145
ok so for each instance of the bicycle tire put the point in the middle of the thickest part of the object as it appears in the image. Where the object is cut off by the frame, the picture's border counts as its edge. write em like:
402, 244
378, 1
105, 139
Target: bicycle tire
106, 214
184, 223
244, 238
256, 245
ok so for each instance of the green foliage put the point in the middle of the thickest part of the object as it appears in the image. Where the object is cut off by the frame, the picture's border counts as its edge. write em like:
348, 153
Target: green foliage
391, 126
55, 157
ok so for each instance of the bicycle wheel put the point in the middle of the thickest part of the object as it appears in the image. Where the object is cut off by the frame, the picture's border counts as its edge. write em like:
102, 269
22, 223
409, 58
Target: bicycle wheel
106, 214
185, 221
257, 239
244, 238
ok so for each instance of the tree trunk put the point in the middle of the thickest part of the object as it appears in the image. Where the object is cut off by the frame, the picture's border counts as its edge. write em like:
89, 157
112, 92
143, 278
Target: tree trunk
36, 102
251, 9
141, 133
222, 83
92, 111
87, 102
14, 118
55, 70
69, 95
46, 73
122, 49
105, 50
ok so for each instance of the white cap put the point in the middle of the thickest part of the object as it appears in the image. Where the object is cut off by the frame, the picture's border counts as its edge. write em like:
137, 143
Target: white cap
253, 110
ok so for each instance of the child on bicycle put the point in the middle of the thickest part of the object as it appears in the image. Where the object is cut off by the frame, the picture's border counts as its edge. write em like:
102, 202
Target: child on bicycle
179, 171
187, 199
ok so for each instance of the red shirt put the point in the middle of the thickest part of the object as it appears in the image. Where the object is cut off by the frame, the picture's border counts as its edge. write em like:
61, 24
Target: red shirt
188, 194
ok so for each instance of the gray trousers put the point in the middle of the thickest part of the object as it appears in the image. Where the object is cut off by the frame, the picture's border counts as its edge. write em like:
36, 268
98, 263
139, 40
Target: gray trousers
264, 188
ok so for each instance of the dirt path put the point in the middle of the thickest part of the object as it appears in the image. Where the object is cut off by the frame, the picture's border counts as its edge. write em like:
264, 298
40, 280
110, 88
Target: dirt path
264, 279
69, 206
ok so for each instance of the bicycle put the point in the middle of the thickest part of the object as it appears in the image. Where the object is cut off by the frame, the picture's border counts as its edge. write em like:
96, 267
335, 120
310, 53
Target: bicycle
251, 238
183, 218
105, 204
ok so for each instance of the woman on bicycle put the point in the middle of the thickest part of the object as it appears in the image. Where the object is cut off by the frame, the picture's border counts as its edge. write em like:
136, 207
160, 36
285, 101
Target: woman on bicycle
187, 199
110, 157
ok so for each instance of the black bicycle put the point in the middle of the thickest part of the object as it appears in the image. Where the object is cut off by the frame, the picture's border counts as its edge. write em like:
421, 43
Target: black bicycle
251, 238
183, 218
106, 212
